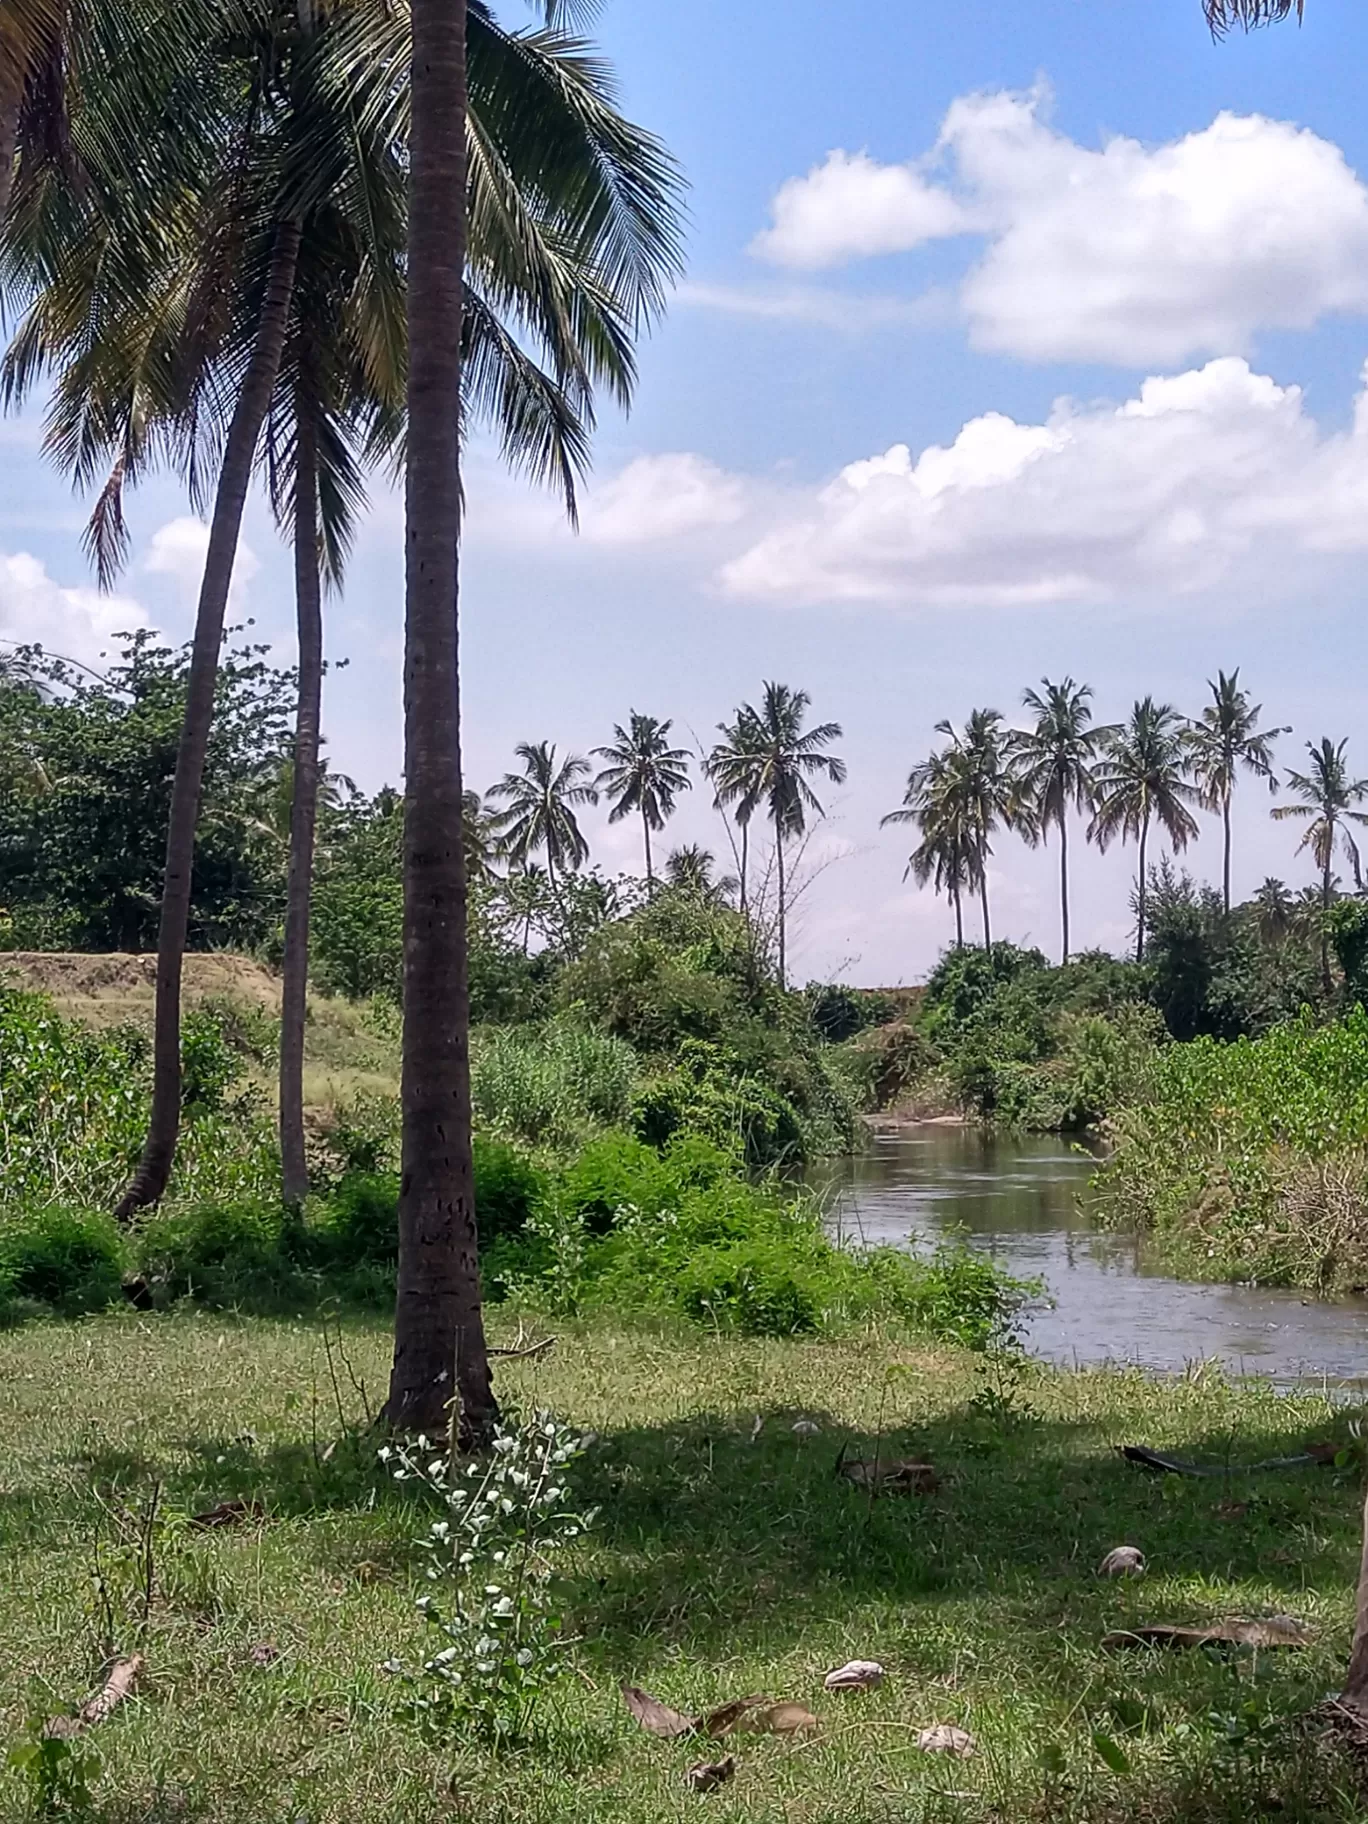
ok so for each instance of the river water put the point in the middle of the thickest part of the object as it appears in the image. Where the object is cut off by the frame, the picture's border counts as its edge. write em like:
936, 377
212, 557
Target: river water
1016, 1197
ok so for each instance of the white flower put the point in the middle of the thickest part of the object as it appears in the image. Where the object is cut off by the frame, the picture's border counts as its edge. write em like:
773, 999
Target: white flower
524, 1656
504, 1606
493, 1589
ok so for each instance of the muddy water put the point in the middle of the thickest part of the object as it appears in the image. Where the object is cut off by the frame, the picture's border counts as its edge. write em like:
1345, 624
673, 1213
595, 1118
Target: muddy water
1017, 1198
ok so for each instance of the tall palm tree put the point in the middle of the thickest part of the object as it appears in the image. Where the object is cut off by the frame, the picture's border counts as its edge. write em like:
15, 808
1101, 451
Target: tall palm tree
988, 790
786, 757
644, 775
31, 46
1052, 764
733, 767
1328, 796
1142, 778
1223, 14
1224, 738
937, 802
538, 816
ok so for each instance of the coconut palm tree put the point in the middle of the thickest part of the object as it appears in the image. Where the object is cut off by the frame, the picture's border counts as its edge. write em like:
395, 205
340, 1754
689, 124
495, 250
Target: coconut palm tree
1140, 779
1223, 14
987, 789
937, 802
785, 757
1052, 766
538, 816
481, 840
644, 776
31, 41
1224, 738
693, 869
734, 767
1328, 797
1274, 912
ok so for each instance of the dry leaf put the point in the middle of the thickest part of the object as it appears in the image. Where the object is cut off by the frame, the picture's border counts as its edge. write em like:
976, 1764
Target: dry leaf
855, 1675
1122, 1561
901, 1476
727, 1716
946, 1738
707, 1776
657, 1718
264, 1654
230, 1513
768, 1718
119, 1682
1271, 1631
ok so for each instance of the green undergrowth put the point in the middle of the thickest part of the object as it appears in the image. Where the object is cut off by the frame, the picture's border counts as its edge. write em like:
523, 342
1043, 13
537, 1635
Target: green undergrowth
1250, 1160
727, 1557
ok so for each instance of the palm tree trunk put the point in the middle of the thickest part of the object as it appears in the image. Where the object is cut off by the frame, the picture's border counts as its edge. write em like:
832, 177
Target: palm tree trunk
303, 810
1225, 866
159, 1148
783, 957
438, 1321
11, 101
1140, 903
1355, 1693
983, 901
646, 832
745, 859
1325, 917
1064, 881
959, 918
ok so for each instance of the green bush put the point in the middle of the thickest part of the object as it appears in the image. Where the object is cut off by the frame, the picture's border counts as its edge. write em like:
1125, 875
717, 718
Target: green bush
210, 1064
550, 1086
219, 1252
70, 1259
754, 1287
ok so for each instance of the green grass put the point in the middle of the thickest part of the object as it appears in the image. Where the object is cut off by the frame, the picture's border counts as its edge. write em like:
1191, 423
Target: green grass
721, 1565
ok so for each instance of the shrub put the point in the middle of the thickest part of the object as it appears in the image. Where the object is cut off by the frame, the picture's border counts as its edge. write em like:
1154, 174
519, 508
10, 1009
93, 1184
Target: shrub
219, 1252
550, 1085
69, 1259
210, 1065
755, 1287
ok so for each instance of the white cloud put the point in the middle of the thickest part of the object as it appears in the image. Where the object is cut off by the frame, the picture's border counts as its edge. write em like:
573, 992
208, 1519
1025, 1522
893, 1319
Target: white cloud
77, 623
851, 312
850, 207
1203, 479
1124, 254
658, 498
178, 550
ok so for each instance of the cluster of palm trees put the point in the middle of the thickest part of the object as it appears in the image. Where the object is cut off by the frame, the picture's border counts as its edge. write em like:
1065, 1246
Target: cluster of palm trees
1150, 772
764, 762
298, 238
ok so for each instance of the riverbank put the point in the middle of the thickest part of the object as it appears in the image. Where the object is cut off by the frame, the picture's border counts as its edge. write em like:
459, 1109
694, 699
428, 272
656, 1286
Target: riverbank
728, 1557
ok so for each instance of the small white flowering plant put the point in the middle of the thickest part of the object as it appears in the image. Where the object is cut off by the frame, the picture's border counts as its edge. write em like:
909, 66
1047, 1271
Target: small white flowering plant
491, 1558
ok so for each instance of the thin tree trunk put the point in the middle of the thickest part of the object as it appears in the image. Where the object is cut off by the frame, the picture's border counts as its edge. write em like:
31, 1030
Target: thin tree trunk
745, 858
438, 1321
11, 101
159, 1149
646, 831
783, 958
983, 900
1325, 917
959, 918
1064, 880
303, 810
1355, 1693
1225, 868
1140, 904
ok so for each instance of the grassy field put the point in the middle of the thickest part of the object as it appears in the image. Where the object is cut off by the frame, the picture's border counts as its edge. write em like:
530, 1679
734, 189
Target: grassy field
724, 1562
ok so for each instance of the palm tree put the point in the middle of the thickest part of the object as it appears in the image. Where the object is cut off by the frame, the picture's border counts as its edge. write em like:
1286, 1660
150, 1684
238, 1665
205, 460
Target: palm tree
643, 775
987, 790
734, 766
539, 811
480, 838
693, 869
1140, 778
31, 38
937, 803
785, 757
1052, 765
1274, 913
1225, 738
1223, 14
1328, 796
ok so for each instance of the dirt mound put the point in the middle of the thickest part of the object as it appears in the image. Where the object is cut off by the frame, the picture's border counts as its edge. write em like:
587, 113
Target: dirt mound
107, 989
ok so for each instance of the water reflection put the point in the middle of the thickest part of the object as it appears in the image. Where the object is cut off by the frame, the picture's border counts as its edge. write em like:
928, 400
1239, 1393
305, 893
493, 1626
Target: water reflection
1018, 1198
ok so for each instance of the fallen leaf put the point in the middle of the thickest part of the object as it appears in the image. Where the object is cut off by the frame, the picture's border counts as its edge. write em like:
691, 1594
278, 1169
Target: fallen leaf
657, 1718
1111, 1752
707, 1776
946, 1738
768, 1718
119, 1682
1271, 1631
901, 1476
727, 1716
264, 1653
229, 1513
1122, 1561
855, 1675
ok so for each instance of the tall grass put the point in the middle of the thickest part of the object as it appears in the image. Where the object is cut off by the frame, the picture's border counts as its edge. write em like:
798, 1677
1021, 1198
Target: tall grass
551, 1085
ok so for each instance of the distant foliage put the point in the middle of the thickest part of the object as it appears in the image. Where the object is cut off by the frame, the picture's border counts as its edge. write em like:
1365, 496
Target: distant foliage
71, 1260
551, 1085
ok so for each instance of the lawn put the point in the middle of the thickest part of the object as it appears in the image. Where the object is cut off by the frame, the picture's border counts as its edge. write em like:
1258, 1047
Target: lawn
726, 1560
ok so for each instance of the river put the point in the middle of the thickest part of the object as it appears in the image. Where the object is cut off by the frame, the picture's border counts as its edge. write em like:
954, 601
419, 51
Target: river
1016, 1197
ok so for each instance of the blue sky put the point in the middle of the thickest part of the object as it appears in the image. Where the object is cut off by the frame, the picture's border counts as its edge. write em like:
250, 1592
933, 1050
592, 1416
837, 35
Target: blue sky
913, 234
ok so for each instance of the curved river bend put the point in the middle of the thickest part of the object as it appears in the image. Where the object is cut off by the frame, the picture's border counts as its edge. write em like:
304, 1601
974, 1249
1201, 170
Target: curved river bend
1016, 1197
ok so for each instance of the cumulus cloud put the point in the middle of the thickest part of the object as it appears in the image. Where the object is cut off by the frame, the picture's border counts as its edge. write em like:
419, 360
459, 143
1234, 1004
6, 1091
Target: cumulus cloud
77, 623
178, 550
658, 498
1125, 254
1201, 478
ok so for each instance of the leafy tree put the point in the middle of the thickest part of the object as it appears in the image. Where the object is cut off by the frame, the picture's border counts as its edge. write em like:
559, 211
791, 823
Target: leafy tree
1142, 778
1226, 737
538, 815
785, 756
1328, 797
644, 776
1348, 927
937, 803
1052, 766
